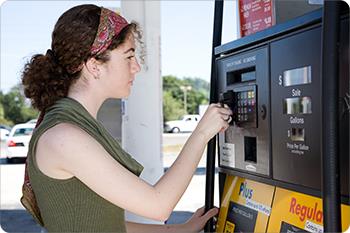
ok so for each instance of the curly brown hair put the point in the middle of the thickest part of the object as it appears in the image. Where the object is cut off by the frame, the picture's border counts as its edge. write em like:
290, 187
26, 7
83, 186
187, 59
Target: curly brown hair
47, 78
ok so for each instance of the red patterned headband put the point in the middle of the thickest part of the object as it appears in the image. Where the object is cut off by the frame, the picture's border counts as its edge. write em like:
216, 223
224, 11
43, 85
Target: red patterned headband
110, 25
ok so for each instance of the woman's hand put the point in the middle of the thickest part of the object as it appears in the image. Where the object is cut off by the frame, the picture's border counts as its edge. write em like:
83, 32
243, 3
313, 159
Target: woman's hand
194, 225
198, 220
216, 119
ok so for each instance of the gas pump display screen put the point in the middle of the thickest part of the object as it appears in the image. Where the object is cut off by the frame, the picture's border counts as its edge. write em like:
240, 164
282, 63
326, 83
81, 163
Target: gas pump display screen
247, 76
298, 105
297, 76
239, 76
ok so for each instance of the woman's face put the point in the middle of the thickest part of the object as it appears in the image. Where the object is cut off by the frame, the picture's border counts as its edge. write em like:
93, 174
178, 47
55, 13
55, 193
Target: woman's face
119, 72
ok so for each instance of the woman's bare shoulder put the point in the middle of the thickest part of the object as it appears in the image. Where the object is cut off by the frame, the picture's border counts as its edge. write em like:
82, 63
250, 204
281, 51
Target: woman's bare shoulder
59, 146
62, 133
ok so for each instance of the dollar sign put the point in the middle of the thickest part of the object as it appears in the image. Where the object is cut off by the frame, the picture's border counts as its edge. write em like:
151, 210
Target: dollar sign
280, 80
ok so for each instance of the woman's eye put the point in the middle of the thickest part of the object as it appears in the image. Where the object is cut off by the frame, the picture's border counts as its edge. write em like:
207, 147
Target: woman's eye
130, 57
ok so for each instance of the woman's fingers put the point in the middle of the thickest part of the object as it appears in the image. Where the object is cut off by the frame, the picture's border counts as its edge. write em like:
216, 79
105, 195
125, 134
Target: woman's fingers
198, 220
211, 213
216, 119
199, 212
224, 110
229, 119
225, 114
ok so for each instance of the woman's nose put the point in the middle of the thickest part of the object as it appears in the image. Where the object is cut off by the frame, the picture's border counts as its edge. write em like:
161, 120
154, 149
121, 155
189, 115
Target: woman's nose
135, 67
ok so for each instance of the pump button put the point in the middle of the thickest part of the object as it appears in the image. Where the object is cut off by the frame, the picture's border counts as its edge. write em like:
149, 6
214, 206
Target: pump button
262, 109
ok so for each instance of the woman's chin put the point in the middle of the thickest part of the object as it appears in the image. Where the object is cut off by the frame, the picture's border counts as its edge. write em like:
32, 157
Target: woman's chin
124, 95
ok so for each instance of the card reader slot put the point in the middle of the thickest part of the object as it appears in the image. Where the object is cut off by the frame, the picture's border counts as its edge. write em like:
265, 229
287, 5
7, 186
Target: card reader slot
250, 149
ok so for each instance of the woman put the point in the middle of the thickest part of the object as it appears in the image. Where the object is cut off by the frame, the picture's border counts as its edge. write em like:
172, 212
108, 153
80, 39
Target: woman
81, 177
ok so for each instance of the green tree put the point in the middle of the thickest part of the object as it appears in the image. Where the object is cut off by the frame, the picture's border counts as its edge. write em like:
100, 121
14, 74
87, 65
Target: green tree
15, 107
172, 108
4, 121
194, 99
172, 84
198, 84
199, 94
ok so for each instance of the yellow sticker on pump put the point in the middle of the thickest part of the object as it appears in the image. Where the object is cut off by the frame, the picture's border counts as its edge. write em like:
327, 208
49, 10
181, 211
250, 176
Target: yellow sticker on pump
250, 206
245, 206
293, 210
229, 227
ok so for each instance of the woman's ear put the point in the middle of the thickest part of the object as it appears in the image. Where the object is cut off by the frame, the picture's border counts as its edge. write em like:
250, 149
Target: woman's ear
93, 67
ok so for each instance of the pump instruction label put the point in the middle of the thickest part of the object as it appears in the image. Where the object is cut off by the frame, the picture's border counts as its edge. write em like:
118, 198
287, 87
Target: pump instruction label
227, 157
243, 218
245, 206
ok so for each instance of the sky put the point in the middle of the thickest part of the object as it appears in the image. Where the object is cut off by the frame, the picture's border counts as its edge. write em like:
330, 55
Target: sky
186, 34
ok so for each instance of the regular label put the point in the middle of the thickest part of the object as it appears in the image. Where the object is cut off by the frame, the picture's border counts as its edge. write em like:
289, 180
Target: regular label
227, 157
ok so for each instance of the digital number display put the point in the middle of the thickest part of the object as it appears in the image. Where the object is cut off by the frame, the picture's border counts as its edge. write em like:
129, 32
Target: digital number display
297, 134
297, 76
297, 105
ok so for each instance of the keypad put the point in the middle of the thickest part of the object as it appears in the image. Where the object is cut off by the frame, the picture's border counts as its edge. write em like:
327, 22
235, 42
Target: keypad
245, 105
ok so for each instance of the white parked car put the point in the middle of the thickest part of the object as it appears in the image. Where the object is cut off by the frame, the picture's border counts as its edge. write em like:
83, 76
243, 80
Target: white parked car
187, 123
18, 140
33, 121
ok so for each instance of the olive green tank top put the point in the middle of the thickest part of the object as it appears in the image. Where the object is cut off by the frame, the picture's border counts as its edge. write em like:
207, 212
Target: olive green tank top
69, 205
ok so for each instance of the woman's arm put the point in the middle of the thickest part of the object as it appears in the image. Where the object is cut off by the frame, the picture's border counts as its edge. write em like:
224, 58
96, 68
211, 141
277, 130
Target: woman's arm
66, 150
132, 227
182, 170
194, 224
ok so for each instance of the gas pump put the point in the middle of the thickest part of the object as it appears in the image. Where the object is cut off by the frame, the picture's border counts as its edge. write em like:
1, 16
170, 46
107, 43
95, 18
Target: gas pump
270, 163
